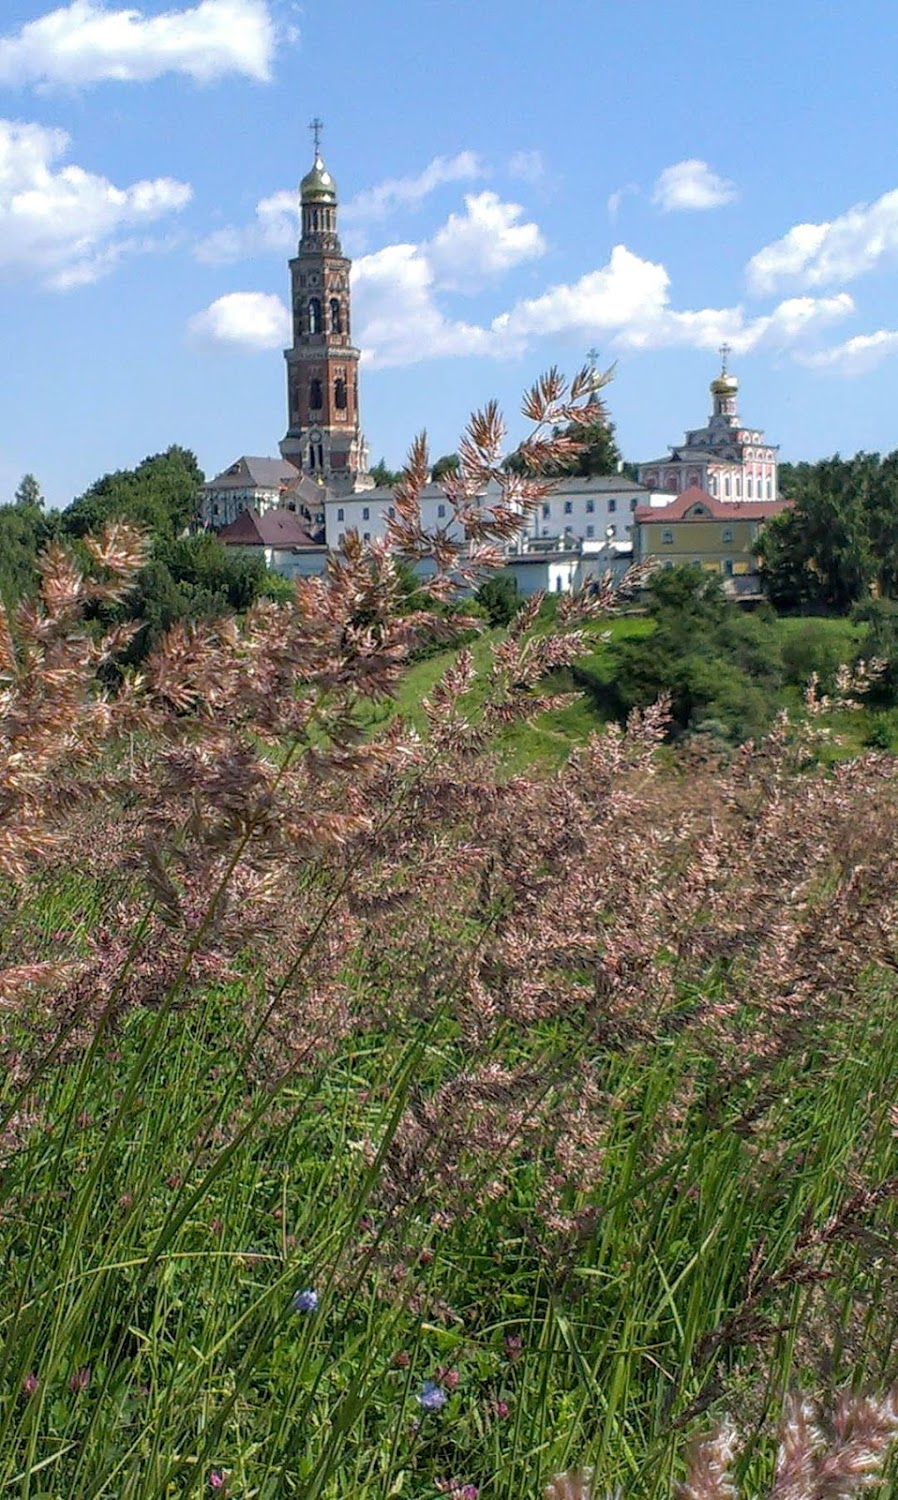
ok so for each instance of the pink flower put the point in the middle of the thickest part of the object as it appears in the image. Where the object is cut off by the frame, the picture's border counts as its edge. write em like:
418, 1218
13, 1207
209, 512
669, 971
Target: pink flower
80, 1380
448, 1378
216, 1480
30, 1384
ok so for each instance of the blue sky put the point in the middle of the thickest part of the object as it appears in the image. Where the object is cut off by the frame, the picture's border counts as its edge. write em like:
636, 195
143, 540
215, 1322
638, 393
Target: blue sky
518, 182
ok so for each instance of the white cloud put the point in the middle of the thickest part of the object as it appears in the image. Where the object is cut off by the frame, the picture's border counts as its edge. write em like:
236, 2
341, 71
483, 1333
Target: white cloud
527, 166
62, 223
486, 240
403, 192
85, 42
691, 185
615, 199
242, 320
837, 250
276, 225
628, 301
396, 315
856, 356
275, 229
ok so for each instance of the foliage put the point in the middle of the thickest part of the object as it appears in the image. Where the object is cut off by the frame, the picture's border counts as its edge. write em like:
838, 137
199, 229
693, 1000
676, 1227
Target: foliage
374, 1124
159, 494
500, 598
840, 540
29, 493
24, 531
383, 477
448, 464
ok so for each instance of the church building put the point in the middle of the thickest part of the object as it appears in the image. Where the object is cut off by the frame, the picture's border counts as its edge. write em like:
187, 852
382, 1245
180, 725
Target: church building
726, 459
323, 452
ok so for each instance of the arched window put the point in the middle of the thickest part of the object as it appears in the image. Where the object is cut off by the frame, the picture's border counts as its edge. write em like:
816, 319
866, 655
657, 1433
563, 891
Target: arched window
612, 507
316, 400
336, 316
340, 393
314, 315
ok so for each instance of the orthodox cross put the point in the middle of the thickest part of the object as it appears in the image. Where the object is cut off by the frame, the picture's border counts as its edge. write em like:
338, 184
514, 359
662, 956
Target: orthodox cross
725, 351
316, 128
592, 355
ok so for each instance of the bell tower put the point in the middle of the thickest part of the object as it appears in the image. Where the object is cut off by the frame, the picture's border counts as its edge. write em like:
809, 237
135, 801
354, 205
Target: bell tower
323, 437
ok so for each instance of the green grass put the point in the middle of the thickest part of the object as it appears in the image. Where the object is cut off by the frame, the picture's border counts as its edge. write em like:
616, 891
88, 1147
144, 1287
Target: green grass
157, 1224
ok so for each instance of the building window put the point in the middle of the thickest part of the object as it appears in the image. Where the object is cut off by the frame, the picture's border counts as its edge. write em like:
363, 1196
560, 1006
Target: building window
590, 507
667, 536
612, 507
568, 530
340, 515
366, 536
590, 531
336, 316
770, 489
545, 531
738, 486
568, 508
728, 534
726, 487
366, 513
547, 511
314, 315
749, 488
441, 511
633, 503
391, 512
611, 531
315, 395
340, 393
341, 538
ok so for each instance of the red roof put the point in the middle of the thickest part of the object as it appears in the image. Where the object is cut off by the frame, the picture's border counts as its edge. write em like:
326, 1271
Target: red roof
719, 510
275, 528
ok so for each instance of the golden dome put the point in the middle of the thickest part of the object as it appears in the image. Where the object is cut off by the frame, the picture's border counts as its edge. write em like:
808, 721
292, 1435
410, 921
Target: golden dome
318, 185
724, 385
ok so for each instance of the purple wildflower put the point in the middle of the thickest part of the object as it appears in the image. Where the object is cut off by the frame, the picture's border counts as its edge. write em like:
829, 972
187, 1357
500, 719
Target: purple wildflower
432, 1397
305, 1301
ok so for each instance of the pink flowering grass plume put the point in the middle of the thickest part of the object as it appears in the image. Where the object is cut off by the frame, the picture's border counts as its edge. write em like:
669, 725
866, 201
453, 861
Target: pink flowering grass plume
819, 1457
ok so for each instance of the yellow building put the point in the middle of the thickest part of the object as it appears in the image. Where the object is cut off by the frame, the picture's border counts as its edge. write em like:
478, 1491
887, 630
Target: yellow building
720, 535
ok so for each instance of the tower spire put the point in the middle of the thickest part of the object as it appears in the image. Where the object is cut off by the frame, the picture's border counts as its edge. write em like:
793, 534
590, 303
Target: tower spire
316, 126
725, 351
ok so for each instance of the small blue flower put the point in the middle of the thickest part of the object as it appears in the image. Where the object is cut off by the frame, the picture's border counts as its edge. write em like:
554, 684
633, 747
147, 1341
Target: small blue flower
306, 1301
432, 1396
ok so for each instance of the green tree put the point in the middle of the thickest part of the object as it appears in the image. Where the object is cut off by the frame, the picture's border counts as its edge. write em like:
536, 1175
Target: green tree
500, 597
383, 477
448, 464
29, 493
160, 494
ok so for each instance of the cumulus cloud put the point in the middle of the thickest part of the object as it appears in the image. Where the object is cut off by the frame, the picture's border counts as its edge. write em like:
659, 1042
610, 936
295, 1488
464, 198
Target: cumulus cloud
486, 240
628, 302
242, 320
274, 229
397, 315
62, 223
85, 43
385, 197
836, 250
856, 356
691, 185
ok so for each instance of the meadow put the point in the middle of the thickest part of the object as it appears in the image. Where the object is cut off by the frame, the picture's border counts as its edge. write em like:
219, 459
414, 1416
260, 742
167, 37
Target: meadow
379, 1119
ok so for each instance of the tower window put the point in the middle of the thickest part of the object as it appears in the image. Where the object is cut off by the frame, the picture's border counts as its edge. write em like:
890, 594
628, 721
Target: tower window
633, 504
366, 513
441, 511
314, 315
316, 399
336, 316
590, 507
547, 511
568, 508
340, 515
612, 507
340, 393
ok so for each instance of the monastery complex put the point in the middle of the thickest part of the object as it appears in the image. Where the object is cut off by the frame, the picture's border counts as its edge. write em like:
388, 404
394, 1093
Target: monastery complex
704, 502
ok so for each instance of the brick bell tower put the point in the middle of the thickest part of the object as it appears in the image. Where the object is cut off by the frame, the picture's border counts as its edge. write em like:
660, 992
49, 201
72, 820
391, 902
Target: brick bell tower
323, 438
